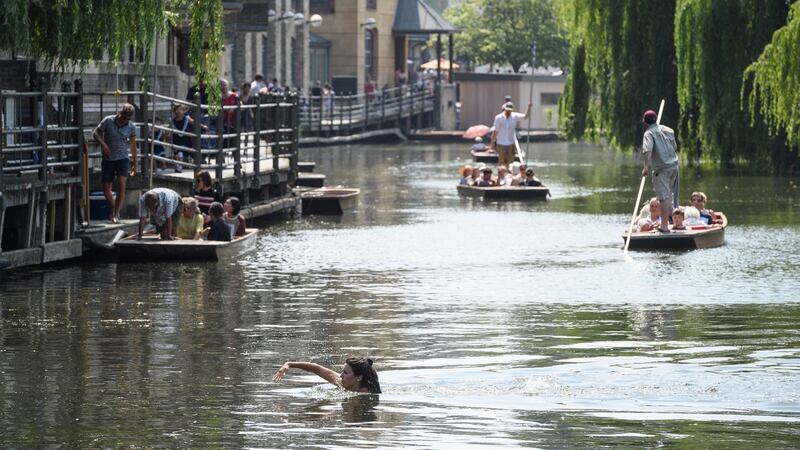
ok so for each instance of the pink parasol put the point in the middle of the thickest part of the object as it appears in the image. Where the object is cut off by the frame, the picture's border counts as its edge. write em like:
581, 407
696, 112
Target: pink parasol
475, 131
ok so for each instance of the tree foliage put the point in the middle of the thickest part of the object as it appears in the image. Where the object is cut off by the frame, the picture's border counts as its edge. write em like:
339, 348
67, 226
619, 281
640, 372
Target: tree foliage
502, 31
774, 81
62, 33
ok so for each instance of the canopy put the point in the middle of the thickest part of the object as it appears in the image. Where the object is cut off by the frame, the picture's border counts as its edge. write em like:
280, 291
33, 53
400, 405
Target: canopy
445, 64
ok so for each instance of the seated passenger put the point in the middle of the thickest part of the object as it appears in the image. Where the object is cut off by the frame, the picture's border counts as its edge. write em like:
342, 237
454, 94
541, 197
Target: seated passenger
232, 217
651, 220
486, 178
516, 174
503, 177
478, 146
677, 219
530, 179
219, 230
190, 224
204, 191
698, 200
466, 175
691, 217
476, 174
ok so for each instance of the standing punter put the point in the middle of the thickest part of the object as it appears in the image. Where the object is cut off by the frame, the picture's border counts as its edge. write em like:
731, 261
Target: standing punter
504, 135
659, 148
116, 134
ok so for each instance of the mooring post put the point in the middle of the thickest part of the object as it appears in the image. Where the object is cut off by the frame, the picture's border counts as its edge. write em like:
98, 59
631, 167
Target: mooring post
220, 144
197, 115
237, 140
141, 117
276, 122
293, 157
257, 137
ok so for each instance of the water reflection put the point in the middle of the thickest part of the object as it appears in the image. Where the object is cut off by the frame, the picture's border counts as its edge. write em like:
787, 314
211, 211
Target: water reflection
508, 324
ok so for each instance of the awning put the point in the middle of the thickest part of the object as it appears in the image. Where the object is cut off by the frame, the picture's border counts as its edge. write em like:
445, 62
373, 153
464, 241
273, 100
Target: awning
317, 41
416, 17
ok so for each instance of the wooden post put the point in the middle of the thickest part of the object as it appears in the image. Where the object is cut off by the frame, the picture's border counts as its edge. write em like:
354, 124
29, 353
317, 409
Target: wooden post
43, 134
450, 57
141, 116
383, 106
83, 150
295, 124
276, 122
197, 115
51, 223
257, 138
237, 154
350, 114
366, 113
68, 215
220, 145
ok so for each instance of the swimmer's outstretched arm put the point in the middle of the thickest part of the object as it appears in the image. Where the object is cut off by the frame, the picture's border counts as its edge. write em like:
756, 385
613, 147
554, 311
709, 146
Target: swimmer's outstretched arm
323, 372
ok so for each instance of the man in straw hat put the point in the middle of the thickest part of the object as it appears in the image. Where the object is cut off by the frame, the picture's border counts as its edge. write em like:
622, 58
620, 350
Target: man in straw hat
504, 135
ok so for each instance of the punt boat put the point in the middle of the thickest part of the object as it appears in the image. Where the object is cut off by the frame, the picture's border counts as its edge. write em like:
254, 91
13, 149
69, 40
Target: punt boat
504, 193
152, 248
329, 200
484, 157
693, 237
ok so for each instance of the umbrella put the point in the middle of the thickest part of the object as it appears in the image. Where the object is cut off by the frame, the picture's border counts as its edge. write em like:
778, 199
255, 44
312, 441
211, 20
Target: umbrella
475, 131
444, 64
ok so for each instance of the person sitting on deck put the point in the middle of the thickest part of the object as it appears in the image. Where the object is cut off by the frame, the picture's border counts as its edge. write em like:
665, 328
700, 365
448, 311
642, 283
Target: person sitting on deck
649, 217
677, 219
517, 176
190, 224
698, 200
486, 178
235, 221
503, 177
466, 175
479, 145
204, 191
530, 179
163, 207
357, 375
218, 230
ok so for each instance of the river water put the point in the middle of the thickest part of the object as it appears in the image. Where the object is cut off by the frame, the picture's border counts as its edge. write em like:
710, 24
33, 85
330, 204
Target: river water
491, 324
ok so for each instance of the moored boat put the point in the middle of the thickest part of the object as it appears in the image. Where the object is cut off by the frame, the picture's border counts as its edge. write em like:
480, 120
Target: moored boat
329, 200
504, 193
484, 157
152, 248
693, 237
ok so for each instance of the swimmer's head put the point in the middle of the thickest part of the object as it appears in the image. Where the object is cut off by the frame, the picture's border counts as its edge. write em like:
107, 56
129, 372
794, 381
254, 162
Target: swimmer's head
358, 373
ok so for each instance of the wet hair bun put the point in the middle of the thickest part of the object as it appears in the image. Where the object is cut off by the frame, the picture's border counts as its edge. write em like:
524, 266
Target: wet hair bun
369, 361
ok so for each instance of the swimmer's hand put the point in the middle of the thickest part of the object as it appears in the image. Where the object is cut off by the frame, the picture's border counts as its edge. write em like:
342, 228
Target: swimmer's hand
281, 372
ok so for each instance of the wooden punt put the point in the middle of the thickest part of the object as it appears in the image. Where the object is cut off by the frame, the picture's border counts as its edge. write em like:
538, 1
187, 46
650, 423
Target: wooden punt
306, 179
150, 247
329, 200
505, 193
695, 237
484, 157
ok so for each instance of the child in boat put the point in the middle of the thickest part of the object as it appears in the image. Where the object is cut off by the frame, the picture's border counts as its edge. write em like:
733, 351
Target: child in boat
503, 177
677, 219
517, 175
190, 224
530, 179
651, 220
486, 178
219, 230
357, 374
478, 146
232, 217
466, 175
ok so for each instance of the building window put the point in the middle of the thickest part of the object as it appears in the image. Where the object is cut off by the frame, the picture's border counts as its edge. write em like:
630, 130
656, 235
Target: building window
322, 6
318, 69
370, 56
372, 4
549, 98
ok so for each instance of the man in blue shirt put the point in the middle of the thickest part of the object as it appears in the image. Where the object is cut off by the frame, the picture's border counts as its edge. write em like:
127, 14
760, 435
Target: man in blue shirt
116, 135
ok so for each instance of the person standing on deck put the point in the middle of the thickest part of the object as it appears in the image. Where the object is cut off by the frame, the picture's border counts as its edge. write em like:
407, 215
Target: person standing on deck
504, 135
116, 135
660, 158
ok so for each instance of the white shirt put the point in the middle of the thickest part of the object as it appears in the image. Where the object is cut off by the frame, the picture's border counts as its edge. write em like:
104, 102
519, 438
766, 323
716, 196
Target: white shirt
505, 181
505, 127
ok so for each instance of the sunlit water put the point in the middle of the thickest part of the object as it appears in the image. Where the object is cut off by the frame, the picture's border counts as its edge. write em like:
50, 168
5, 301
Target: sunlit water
491, 324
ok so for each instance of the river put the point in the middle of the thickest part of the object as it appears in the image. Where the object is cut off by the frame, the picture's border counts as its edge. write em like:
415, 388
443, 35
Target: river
490, 324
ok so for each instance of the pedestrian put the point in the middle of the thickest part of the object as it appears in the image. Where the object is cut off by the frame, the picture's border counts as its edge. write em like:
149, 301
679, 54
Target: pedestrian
257, 83
117, 135
660, 159
504, 134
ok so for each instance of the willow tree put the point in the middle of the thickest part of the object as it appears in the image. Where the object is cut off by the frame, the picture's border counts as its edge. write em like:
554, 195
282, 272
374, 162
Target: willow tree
773, 82
715, 41
626, 52
67, 33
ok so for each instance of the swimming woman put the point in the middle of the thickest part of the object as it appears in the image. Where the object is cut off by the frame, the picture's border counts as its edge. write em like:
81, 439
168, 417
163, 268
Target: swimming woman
357, 374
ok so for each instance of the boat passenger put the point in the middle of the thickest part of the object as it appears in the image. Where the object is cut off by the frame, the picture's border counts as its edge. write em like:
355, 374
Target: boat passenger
466, 175
235, 221
698, 200
476, 174
650, 216
190, 224
677, 219
503, 177
204, 191
357, 375
162, 205
218, 229
517, 176
486, 178
530, 179
478, 146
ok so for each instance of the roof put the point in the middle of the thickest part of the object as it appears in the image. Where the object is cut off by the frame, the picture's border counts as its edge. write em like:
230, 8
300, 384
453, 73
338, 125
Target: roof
416, 17
318, 41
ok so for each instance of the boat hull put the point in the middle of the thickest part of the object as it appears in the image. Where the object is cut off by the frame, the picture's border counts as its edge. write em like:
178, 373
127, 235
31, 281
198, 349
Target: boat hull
504, 193
329, 201
692, 239
484, 157
152, 248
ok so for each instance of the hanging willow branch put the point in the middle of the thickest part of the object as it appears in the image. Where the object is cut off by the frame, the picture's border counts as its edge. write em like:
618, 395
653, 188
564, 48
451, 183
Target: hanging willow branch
775, 81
